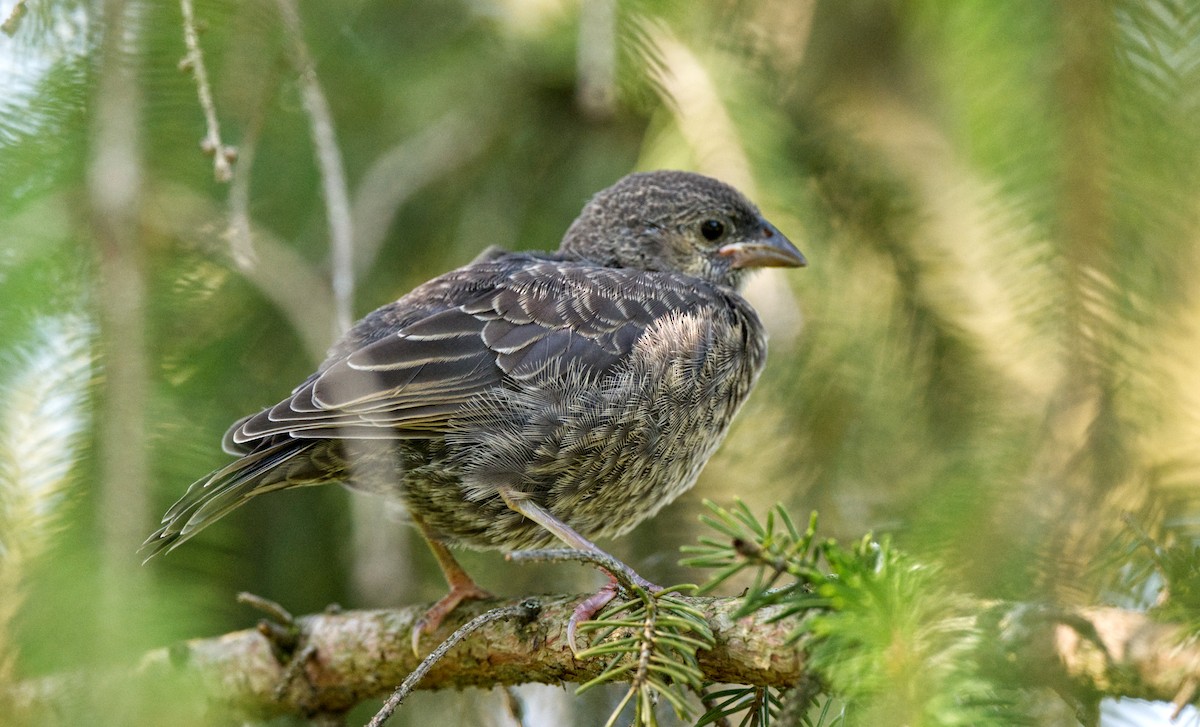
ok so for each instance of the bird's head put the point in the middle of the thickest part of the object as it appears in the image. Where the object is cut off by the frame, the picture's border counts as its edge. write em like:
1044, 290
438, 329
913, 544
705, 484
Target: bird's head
678, 222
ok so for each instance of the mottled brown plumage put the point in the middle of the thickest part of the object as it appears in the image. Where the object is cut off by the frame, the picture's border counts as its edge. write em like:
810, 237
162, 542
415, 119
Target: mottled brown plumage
530, 395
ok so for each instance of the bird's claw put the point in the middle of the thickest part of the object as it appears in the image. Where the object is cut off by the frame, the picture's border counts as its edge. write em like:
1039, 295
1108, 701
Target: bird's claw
589, 607
432, 619
593, 604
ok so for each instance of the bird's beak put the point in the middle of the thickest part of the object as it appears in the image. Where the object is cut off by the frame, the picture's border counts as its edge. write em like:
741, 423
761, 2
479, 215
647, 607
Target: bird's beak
771, 250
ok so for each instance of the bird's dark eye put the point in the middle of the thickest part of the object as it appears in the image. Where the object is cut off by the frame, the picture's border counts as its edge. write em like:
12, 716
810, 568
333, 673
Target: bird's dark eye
712, 229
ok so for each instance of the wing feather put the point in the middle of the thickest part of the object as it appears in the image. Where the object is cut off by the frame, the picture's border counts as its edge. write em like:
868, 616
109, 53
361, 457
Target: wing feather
498, 322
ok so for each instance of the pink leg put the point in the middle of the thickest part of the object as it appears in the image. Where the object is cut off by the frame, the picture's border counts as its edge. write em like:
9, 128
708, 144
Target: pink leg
591, 605
462, 588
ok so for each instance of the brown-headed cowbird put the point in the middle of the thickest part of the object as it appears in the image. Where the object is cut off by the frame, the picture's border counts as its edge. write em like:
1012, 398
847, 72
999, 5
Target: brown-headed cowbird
528, 396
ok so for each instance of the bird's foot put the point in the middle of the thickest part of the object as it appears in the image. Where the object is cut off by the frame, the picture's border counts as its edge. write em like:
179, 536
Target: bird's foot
593, 604
588, 608
619, 574
433, 618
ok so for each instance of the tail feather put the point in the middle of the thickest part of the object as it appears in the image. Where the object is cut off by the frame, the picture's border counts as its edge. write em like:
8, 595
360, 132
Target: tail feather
212, 497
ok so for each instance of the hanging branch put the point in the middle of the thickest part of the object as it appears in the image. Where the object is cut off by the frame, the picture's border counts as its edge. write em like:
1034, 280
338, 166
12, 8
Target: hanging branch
329, 163
222, 154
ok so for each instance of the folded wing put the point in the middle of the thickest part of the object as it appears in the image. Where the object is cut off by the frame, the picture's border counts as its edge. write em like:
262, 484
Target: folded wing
508, 326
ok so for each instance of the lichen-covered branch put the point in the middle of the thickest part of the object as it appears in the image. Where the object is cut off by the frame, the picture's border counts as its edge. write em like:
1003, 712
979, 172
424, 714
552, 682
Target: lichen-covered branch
356, 655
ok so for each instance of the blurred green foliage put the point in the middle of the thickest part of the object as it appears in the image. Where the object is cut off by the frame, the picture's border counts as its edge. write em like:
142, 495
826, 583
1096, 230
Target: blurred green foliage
992, 355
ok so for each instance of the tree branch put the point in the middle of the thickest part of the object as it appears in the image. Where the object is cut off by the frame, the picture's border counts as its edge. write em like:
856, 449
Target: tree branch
332, 171
357, 655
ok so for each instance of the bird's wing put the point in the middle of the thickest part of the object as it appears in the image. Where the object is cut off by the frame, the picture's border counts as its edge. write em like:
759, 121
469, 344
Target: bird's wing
541, 319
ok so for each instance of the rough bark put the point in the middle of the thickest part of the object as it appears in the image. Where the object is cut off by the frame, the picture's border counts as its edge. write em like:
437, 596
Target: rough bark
341, 659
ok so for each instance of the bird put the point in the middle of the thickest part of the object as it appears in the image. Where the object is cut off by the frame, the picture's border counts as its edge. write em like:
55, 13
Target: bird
529, 396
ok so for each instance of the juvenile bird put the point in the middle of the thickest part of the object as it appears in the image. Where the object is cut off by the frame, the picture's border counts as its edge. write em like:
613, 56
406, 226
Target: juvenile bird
529, 396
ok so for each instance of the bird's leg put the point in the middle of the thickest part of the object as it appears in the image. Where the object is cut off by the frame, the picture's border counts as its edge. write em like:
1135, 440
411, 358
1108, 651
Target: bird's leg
591, 605
462, 587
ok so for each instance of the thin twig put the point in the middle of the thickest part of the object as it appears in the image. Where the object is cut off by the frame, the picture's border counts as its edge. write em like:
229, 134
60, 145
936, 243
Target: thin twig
646, 649
329, 164
625, 575
281, 273
267, 606
223, 156
294, 669
241, 240
400, 172
527, 609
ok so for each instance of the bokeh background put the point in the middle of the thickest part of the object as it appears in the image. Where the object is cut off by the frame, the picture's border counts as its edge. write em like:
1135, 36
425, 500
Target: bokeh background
994, 355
